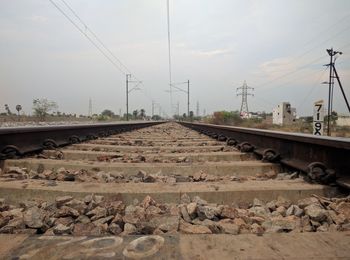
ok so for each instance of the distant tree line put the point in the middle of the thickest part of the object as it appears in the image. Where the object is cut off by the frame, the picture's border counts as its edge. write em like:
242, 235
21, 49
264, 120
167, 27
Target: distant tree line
8, 110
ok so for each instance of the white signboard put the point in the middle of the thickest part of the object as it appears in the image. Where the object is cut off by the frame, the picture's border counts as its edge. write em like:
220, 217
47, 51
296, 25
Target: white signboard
318, 123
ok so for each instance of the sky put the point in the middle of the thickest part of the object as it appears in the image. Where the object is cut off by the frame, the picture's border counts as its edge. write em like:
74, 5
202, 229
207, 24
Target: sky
277, 46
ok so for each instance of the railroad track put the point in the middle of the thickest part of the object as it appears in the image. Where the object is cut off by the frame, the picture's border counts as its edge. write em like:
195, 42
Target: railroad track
170, 190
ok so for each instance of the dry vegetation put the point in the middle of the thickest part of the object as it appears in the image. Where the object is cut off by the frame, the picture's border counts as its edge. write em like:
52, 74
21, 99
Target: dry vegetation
300, 126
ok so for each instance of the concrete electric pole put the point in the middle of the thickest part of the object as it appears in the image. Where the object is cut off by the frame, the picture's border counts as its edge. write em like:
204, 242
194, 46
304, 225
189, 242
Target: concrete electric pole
127, 96
90, 108
174, 85
333, 74
128, 91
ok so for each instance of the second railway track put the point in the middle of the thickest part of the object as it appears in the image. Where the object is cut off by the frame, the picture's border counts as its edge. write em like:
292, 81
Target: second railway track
177, 192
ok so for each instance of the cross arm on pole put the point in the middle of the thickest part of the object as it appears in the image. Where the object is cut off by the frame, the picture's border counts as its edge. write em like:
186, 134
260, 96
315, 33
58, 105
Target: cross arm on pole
180, 89
136, 87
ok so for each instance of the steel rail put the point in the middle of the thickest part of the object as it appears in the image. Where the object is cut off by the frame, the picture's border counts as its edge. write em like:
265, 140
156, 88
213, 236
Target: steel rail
18, 141
323, 159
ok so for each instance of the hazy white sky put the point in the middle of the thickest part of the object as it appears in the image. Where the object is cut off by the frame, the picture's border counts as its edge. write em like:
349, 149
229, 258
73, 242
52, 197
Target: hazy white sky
277, 46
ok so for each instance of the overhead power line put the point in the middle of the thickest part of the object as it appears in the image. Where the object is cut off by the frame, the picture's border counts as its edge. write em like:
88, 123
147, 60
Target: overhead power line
291, 72
296, 70
87, 37
328, 28
315, 46
96, 37
103, 49
322, 42
293, 79
314, 85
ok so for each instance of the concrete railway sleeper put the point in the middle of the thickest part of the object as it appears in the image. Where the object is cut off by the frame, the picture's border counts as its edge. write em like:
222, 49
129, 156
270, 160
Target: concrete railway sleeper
164, 190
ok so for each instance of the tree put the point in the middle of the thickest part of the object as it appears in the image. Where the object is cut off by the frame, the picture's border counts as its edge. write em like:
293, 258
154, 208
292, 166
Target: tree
7, 108
227, 118
43, 106
191, 115
307, 119
107, 112
156, 117
129, 116
135, 113
18, 108
334, 117
142, 113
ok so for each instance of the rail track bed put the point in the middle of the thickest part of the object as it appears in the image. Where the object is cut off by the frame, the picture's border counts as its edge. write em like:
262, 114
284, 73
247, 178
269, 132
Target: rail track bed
167, 191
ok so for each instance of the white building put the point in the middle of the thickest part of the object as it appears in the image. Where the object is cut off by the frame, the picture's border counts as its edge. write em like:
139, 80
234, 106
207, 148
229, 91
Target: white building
343, 120
284, 114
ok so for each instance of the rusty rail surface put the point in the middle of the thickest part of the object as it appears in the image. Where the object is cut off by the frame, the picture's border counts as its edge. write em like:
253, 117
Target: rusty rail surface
18, 141
323, 159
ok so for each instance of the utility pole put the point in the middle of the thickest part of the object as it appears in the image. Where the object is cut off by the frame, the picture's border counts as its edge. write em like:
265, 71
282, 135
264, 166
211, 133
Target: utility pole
332, 75
154, 107
128, 91
341, 88
90, 108
330, 90
197, 109
188, 97
244, 93
169, 57
178, 108
174, 85
127, 96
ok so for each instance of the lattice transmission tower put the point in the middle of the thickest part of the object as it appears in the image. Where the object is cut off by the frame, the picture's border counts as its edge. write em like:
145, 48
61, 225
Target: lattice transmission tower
244, 92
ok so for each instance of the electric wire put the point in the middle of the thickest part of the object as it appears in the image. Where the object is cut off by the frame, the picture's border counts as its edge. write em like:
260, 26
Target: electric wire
321, 43
314, 85
328, 28
295, 71
95, 36
292, 72
286, 82
89, 38
121, 67
308, 51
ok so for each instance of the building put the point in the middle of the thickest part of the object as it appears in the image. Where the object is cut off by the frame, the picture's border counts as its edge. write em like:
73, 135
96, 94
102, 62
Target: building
284, 114
343, 120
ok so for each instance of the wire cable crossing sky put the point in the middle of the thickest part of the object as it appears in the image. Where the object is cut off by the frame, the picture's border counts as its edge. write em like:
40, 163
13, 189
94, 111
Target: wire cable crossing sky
278, 47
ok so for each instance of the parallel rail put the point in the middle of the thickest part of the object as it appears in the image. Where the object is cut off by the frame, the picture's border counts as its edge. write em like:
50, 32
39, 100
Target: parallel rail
23, 140
322, 158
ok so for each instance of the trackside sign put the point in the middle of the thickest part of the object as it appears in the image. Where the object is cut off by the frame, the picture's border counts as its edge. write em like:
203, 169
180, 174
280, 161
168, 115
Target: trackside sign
318, 120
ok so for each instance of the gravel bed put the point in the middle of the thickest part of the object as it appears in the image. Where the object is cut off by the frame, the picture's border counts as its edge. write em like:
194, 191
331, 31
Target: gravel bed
95, 215
96, 175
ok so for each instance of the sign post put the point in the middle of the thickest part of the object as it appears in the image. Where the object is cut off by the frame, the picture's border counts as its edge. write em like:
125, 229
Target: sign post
318, 121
